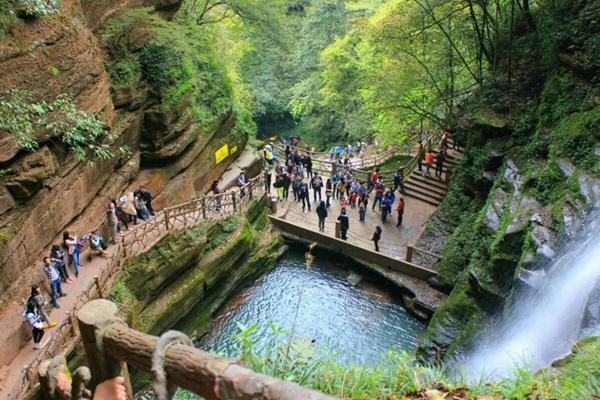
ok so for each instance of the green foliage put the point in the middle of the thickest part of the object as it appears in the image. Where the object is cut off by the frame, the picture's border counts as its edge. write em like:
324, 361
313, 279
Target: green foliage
178, 62
7, 18
28, 122
123, 73
37, 8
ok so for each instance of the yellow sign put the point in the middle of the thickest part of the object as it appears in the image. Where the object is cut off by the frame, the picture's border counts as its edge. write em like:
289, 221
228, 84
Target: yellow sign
233, 149
221, 153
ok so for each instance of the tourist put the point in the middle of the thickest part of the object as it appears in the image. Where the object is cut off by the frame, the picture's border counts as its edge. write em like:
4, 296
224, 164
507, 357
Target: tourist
121, 217
428, 161
140, 206
72, 243
54, 282
214, 187
296, 184
439, 165
338, 152
379, 189
268, 154
376, 237
287, 181
362, 210
400, 211
386, 204
127, 203
305, 196
444, 145
341, 188
344, 223
322, 214
353, 198
58, 258
39, 302
373, 178
328, 191
37, 326
96, 244
334, 181
308, 164
300, 169
399, 181
278, 185
316, 183
113, 222
241, 183
147, 197
288, 153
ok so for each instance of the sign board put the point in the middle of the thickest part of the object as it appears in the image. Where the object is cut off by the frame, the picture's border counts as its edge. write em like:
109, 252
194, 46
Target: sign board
233, 149
221, 153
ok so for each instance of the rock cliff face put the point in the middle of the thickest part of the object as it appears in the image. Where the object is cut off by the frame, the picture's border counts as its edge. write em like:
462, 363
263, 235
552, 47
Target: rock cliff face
172, 128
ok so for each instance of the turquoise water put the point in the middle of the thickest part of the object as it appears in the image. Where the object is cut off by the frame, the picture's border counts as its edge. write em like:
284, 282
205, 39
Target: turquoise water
359, 323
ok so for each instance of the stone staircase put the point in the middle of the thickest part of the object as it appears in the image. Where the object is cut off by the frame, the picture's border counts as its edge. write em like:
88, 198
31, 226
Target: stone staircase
428, 188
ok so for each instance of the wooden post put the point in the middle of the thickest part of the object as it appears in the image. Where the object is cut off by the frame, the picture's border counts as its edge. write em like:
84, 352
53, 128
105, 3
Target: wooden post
447, 180
72, 322
93, 317
98, 288
204, 207
167, 221
409, 253
123, 247
233, 199
338, 229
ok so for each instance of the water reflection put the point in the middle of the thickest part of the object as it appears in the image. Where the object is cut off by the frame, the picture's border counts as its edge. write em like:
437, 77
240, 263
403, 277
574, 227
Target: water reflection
360, 323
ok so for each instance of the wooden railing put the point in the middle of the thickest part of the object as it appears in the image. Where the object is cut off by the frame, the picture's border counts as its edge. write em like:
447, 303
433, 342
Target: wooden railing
413, 252
146, 234
205, 374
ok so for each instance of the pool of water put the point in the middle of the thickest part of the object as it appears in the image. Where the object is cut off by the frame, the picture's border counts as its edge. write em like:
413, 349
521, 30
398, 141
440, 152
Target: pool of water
358, 323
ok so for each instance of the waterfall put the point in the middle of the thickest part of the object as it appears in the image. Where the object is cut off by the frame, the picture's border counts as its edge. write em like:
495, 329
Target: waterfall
544, 322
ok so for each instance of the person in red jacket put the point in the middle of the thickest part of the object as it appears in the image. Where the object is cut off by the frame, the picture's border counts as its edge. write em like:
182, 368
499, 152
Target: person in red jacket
400, 210
428, 160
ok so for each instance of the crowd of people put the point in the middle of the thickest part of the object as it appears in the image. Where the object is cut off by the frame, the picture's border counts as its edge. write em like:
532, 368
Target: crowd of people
63, 261
295, 171
294, 174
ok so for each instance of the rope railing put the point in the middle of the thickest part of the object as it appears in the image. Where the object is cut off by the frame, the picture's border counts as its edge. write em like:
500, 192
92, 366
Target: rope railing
182, 216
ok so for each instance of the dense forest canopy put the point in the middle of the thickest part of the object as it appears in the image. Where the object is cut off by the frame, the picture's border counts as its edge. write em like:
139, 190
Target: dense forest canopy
333, 70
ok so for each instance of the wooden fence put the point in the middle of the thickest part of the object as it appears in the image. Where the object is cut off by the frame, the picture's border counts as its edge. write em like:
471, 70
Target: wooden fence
146, 234
208, 375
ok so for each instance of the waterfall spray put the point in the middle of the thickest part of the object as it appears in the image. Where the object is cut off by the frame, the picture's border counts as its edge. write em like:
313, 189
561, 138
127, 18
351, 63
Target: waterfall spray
544, 322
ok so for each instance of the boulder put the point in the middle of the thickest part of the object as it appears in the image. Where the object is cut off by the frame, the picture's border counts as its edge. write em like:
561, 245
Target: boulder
589, 188
493, 214
8, 147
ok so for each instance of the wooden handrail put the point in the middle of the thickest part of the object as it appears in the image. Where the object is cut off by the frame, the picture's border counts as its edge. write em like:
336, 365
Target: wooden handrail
207, 375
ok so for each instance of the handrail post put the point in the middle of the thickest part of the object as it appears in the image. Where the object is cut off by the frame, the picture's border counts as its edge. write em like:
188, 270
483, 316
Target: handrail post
233, 199
409, 253
447, 180
123, 246
72, 322
98, 288
204, 207
94, 317
338, 229
167, 221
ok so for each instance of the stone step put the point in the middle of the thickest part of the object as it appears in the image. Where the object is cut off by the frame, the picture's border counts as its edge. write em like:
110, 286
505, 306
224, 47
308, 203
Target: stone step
422, 198
425, 186
428, 181
425, 192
